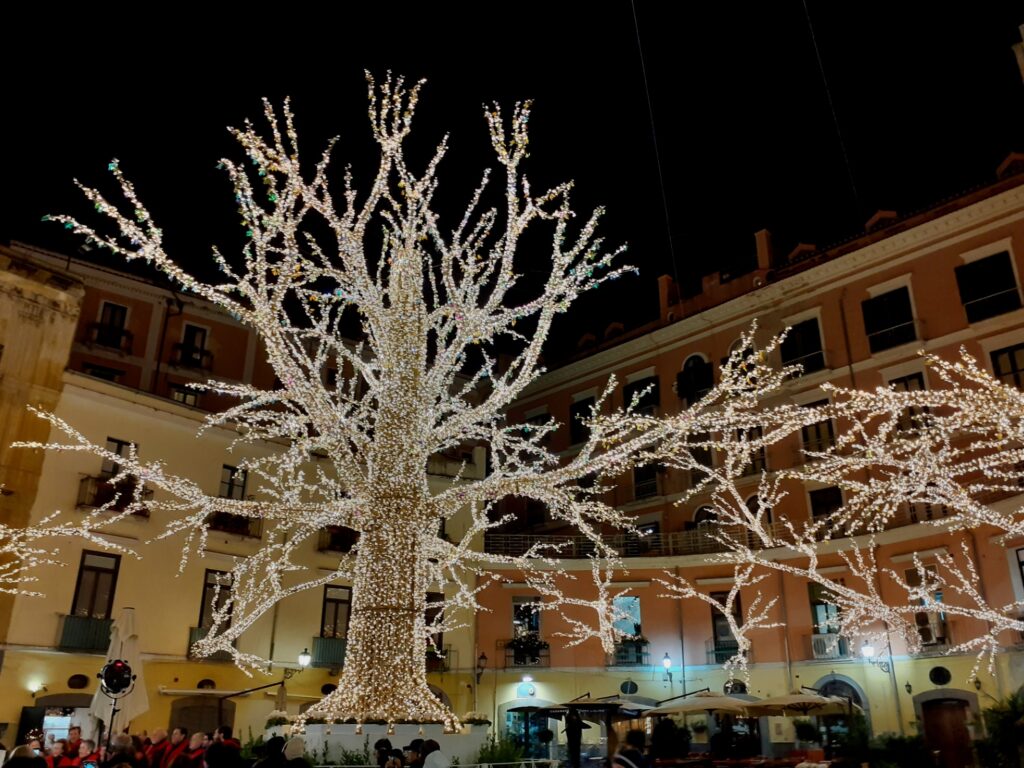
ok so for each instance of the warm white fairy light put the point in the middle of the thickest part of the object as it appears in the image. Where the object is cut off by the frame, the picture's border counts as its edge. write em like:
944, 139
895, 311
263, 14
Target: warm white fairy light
425, 380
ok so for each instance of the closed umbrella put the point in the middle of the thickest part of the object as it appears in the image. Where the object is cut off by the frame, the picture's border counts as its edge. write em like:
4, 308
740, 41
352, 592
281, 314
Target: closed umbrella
124, 644
705, 701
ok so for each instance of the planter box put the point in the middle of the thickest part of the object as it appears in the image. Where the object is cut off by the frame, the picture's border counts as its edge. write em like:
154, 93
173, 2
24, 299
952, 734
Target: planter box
464, 745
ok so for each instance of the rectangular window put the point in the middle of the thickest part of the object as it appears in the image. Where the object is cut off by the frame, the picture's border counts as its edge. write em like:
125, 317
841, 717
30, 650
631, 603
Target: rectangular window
578, 432
629, 622
118, 447
525, 615
648, 403
232, 482
819, 436
1020, 565
988, 287
184, 395
1008, 365
102, 372
724, 645
216, 591
757, 462
701, 454
825, 501
645, 481
110, 329
192, 350
931, 626
433, 615
889, 319
910, 415
824, 614
803, 346
695, 380
336, 609
94, 590
538, 421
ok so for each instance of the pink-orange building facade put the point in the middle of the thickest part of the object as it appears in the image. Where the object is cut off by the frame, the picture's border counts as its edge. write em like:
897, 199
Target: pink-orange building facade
945, 278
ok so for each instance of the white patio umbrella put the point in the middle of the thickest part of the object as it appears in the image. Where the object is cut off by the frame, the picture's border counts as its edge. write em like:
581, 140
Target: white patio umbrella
124, 644
801, 705
705, 701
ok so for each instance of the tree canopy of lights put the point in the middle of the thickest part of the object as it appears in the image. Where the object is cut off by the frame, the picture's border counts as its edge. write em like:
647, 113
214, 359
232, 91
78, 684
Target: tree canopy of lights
434, 301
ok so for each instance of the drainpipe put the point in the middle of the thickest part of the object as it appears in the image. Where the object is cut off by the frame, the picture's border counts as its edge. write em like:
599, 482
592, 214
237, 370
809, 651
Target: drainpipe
180, 305
846, 338
682, 644
973, 534
785, 633
888, 650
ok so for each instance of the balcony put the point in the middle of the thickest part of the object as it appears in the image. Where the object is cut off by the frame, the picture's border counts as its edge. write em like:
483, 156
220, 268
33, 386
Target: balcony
329, 652
336, 538
188, 356
700, 540
95, 492
629, 653
240, 525
111, 337
439, 662
518, 656
829, 646
195, 634
720, 651
84, 634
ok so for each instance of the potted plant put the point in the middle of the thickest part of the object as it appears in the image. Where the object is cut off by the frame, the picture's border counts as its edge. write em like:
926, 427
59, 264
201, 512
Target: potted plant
526, 648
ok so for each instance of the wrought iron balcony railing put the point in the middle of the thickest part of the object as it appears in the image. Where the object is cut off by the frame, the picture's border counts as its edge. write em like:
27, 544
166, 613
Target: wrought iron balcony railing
240, 525
329, 652
84, 634
95, 492
195, 634
111, 337
187, 356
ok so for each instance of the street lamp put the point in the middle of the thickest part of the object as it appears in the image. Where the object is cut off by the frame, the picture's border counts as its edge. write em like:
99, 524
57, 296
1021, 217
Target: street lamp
481, 665
305, 658
667, 664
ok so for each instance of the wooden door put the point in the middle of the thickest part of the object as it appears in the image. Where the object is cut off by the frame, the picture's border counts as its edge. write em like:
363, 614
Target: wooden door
945, 732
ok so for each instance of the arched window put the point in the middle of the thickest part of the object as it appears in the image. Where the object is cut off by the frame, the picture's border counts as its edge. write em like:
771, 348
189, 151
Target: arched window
695, 380
704, 516
752, 504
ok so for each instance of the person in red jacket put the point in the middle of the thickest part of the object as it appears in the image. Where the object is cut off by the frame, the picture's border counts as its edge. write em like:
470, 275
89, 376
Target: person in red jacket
88, 755
196, 749
155, 752
175, 754
74, 742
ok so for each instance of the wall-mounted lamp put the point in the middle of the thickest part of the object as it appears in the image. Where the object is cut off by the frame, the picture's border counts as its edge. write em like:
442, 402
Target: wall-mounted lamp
481, 665
527, 678
35, 688
304, 658
667, 664
977, 683
909, 687
868, 652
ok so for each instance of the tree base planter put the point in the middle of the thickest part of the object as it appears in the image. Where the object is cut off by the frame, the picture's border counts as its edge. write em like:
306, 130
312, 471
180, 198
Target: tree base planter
465, 744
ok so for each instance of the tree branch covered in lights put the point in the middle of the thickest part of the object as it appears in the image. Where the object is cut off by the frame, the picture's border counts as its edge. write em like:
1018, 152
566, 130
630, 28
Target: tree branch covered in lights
950, 458
432, 305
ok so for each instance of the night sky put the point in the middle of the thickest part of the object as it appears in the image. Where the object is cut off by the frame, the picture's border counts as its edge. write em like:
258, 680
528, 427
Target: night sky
928, 102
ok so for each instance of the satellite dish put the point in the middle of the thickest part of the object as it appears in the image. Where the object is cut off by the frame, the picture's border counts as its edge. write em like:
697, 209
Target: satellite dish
629, 687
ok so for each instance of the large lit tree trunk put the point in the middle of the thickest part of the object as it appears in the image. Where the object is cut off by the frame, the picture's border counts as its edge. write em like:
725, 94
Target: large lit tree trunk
385, 675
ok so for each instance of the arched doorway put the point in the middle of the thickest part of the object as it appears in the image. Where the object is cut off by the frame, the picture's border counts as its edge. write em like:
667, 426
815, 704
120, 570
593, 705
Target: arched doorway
523, 721
202, 713
944, 714
841, 729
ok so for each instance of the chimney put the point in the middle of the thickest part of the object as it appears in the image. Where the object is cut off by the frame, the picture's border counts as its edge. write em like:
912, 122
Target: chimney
668, 295
763, 240
880, 220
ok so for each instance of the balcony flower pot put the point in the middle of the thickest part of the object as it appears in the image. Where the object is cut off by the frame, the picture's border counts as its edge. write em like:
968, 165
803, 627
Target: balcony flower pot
527, 647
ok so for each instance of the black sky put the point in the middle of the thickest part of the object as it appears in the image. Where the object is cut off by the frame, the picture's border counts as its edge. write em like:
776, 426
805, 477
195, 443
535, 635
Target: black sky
927, 95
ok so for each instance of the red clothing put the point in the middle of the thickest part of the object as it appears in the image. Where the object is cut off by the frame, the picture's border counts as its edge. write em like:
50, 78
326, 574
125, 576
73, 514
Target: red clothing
91, 758
234, 743
71, 748
195, 758
155, 753
174, 752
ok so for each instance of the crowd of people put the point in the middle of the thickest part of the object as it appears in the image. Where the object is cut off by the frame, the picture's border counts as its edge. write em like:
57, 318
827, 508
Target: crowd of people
180, 749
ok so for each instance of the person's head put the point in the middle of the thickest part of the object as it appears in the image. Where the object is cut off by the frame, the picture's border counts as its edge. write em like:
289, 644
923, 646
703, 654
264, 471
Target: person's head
25, 750
382, 745
636, 739
57, 748
275, 745
295, 747
413, 751
179, 735
196, 740
35, 745
25, 757
223, 733
86, 747
159, 735
122, 743
430, 746
74, 733
207, 739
